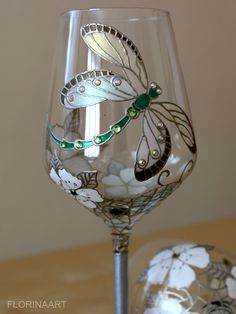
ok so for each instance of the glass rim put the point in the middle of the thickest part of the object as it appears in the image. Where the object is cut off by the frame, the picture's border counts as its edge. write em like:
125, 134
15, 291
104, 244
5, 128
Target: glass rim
76, 11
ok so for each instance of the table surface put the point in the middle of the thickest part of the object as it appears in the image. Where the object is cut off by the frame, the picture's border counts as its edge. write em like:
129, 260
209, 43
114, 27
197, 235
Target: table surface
83, 276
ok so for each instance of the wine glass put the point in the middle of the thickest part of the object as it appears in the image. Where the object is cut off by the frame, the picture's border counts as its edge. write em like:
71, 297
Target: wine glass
174, 277
119, 131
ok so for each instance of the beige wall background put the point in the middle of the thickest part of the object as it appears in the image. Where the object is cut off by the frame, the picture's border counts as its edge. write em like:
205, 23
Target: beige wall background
35, 216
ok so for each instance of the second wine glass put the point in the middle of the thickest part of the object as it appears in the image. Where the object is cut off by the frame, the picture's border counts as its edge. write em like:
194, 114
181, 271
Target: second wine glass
119, 134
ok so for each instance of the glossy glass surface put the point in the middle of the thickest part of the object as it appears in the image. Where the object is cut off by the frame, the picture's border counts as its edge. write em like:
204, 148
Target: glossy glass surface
172, 277
107, 176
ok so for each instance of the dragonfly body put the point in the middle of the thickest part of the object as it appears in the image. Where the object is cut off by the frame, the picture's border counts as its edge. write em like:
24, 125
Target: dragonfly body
141, 103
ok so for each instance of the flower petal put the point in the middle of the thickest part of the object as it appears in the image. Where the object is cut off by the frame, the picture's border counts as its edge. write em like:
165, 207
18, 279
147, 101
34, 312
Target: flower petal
181, 275
135, 189
161, 256
165, 305
127, 174
135, 182
89, 195
233, 271
231, 285
196, 256
53, 175
157, 274
181, 248
69, 181
112, 180
115, 167
117, 190
158, 270
88, 204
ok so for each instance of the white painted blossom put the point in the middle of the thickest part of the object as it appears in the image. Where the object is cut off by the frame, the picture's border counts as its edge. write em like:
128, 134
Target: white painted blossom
231, 283
174, 264
124, 183
166, 304
88, 197
166, 307
72, 185
65, 180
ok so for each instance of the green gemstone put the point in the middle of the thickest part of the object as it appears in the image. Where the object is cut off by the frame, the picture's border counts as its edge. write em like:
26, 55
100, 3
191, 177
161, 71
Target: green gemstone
132, 113
142, 102
78, 144
116, 129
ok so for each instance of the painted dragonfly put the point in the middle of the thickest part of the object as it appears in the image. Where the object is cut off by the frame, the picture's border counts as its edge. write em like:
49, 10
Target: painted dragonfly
93, 87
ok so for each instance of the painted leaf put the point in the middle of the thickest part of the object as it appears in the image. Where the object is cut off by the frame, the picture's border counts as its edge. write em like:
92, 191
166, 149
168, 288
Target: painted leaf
89, 179
55, 163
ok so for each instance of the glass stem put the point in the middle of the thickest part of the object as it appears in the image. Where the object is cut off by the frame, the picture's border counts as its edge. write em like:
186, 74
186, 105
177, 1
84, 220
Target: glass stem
121, 282
120, 256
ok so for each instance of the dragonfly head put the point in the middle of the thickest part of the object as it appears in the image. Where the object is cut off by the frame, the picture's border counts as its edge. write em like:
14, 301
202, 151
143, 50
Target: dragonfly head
154, 90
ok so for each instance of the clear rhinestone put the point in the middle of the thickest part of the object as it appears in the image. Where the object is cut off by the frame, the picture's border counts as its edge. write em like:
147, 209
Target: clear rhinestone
82, 89
98, 82
155, 153
142, 162
117, 82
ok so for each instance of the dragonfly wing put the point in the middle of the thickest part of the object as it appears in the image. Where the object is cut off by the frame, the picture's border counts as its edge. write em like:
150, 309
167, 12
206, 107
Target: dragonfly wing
115, 47
176, 115
154, 147
92, 87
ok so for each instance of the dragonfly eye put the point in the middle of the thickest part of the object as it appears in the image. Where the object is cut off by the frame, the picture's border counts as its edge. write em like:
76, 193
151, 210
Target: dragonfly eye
153, 85
154, 90
159, 90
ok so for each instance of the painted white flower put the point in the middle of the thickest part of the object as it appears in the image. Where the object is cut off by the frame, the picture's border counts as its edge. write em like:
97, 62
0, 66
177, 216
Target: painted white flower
231, 283
72, 185
164, 304
65, 180
166, 307
88, 197
124, 182
174, 264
